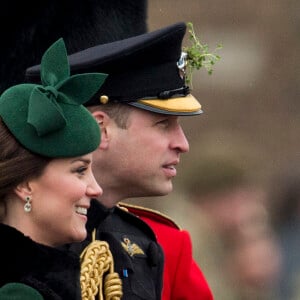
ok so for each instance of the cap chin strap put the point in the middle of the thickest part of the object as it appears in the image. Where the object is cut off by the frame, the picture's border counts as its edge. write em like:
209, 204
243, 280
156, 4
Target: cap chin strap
164, 95
183, 91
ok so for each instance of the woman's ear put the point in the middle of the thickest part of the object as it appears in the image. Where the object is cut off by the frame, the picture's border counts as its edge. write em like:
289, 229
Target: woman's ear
23, 190
103, 120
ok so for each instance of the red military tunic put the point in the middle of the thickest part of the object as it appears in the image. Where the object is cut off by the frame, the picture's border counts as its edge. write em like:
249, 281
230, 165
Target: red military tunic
183, 278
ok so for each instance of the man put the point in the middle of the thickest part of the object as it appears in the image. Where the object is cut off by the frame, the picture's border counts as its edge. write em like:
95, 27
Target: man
138, 110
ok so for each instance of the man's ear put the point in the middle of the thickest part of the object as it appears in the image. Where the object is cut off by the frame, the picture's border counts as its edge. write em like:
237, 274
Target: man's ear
23, 190
103, 120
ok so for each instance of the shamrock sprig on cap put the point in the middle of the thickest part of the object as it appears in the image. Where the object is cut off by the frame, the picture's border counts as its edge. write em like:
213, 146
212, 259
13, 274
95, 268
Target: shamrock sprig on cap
198, 55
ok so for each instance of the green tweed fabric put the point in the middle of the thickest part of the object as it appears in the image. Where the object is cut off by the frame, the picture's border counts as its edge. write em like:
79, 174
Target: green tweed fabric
19, 291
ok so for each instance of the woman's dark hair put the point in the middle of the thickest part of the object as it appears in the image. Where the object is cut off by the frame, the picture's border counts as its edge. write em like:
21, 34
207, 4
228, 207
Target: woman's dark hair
17, 164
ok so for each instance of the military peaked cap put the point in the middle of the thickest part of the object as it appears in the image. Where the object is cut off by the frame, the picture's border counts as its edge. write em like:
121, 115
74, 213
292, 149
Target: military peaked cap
145, 71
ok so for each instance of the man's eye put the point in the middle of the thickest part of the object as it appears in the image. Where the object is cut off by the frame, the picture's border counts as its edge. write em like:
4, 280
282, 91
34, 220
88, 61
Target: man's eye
163, 122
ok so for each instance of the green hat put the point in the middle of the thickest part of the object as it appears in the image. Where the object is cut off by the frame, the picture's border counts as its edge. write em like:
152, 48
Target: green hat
49, 119
19, 291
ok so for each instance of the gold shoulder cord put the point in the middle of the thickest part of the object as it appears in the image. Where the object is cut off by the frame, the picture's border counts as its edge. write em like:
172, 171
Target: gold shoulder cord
97, 265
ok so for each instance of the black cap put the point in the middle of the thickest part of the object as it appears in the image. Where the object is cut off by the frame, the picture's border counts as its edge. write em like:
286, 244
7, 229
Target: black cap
144, 71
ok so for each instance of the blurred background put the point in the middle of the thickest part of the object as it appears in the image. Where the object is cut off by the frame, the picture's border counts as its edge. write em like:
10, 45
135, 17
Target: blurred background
237, 190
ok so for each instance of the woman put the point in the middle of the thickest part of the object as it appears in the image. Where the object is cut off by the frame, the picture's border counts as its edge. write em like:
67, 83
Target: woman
46, 180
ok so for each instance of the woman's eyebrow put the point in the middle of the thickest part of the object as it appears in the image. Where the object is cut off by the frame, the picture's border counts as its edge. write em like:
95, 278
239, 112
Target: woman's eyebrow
85, 160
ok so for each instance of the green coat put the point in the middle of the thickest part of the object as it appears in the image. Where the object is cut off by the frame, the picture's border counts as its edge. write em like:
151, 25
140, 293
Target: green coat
19, 291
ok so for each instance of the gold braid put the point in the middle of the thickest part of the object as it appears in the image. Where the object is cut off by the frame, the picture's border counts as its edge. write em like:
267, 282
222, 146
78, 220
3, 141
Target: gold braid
96, 259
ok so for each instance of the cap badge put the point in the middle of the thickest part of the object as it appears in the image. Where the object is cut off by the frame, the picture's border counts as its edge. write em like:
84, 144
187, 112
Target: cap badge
181, 64
131, 248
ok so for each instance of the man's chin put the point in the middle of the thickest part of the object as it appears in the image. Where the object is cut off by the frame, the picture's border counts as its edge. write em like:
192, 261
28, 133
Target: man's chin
164, 191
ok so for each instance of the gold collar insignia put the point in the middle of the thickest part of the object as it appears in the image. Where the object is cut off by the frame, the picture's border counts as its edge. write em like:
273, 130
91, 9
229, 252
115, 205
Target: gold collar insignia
131, 248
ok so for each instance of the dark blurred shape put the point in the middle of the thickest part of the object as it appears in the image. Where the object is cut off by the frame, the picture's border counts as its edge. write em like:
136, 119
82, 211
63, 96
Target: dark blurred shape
284, 201
213, 174
28, 28
284, 196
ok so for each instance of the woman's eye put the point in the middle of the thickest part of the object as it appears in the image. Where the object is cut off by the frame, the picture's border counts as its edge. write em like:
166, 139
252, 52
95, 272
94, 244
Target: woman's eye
81, 170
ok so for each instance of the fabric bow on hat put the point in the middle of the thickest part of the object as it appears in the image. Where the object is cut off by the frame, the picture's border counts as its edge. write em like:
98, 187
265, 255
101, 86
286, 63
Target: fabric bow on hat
44, 113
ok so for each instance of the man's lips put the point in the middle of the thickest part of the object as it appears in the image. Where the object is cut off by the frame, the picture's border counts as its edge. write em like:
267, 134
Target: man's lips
170, 169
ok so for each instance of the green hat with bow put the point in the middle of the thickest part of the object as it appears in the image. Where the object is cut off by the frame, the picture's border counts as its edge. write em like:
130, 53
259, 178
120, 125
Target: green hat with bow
49, 119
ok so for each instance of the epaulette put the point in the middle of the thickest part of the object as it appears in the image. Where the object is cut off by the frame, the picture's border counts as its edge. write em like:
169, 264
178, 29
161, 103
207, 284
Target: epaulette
152, 214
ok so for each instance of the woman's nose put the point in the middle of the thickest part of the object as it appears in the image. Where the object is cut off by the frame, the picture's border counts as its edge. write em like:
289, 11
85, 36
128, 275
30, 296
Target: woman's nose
94, 190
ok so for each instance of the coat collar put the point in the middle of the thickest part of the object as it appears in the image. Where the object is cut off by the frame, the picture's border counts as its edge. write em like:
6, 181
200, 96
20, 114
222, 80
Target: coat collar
26, 261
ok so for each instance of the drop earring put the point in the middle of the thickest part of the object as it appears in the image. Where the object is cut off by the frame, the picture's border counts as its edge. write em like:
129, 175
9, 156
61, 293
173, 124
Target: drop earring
27, 206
